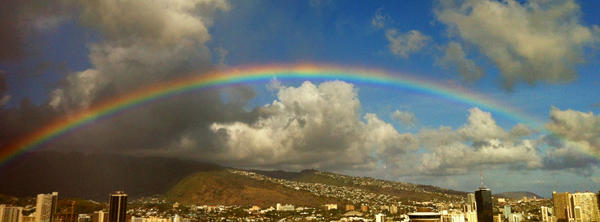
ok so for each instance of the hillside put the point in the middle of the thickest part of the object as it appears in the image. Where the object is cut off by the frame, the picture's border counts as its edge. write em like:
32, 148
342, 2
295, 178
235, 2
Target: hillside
93, 176
404, 191
223, 187
518, 195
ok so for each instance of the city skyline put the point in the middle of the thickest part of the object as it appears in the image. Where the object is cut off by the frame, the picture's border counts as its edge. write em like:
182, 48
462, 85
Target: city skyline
578, 206
428, 92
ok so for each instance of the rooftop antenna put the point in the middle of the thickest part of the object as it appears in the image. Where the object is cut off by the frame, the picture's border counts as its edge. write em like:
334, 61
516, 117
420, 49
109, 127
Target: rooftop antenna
481, 179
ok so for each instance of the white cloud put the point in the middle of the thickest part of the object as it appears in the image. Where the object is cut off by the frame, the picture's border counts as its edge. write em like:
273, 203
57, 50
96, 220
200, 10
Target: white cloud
407, 43
481, 127
143, 42
406, 118
316, 126
480, 143
455, 58
378, 21
580, 129
534, 41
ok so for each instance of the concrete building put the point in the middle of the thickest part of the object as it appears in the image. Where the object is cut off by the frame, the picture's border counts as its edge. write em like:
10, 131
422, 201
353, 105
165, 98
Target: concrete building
515, 217
471, 216
11, 214
507, 212
452, 216
330, 206
287, 207
562, 206
30, 218
380, 217
588, 206
578, 206
84, 218
45, 207
470, 204
99, 216
547, 214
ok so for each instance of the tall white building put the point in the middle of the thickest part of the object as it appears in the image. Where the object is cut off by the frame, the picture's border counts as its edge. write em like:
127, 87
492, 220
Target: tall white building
380, 218
11, 214
45, 207
547, 214
471, 204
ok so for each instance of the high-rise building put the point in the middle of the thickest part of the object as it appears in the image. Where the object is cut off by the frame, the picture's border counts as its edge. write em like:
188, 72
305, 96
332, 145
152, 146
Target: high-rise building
117, 207
483, 197
99, 216
587, 202
470, 208
471, 205
11, 214
563, 209
45, 207
578, 206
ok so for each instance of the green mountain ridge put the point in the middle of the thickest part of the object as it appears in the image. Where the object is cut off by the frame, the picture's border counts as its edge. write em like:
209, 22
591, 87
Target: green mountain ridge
221, 187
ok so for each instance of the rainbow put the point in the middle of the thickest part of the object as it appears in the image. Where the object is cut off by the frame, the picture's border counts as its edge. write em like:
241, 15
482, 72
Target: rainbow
248, 74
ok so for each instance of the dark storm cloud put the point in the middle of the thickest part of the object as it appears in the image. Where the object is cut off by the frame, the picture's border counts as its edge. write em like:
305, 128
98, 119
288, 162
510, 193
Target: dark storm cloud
22, 19
144, 43
11, 36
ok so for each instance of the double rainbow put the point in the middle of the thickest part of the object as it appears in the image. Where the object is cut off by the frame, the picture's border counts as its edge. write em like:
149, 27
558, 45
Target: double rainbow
239, 75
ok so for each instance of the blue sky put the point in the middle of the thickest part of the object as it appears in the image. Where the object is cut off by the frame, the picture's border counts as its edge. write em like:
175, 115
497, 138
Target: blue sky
74, 57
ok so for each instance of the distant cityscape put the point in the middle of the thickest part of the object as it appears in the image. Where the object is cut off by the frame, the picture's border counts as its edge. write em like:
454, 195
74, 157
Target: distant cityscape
359, 205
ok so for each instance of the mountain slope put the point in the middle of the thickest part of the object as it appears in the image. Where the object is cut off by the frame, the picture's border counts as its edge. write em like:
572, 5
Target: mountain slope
223, 187
94, 176
404, 191
518, 195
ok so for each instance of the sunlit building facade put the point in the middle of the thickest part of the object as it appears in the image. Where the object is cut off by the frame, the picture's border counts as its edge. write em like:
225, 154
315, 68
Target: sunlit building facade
11, 214
45, 207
